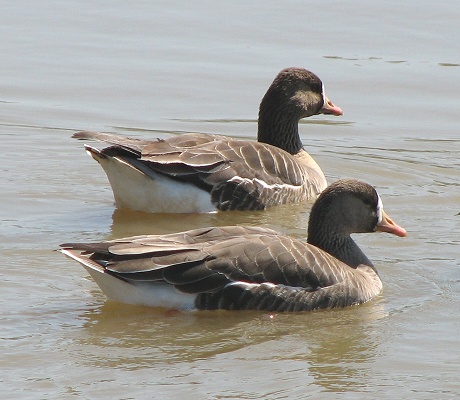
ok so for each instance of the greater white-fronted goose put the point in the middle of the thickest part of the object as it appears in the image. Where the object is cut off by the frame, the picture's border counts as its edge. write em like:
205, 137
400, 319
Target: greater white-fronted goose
201, 173
238, 267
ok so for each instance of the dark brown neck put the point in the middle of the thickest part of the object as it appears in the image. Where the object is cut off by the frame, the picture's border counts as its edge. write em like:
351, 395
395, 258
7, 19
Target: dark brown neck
326, 232
280, 129
344, 248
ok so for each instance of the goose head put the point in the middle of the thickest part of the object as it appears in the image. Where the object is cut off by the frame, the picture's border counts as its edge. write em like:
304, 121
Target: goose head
345, 207
295, 93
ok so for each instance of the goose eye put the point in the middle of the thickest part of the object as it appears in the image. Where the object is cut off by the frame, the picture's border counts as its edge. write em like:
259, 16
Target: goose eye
367, 201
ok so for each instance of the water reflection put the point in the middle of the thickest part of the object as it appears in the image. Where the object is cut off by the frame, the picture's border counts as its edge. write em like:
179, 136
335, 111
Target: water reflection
340, 357
121, 333
291, 219
334, 347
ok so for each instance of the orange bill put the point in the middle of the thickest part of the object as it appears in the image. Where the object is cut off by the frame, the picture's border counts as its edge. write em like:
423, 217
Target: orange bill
389, 226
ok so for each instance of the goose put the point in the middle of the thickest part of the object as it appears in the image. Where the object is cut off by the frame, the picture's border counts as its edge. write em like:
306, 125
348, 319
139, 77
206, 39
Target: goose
197, 172
244, 267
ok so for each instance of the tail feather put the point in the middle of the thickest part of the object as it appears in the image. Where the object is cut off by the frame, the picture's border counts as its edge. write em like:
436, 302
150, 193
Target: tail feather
126, 142
152, 294
86, 262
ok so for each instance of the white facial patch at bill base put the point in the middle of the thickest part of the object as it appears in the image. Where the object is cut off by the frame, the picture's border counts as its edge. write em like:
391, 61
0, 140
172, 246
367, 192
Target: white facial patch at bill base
379, 209
324, 95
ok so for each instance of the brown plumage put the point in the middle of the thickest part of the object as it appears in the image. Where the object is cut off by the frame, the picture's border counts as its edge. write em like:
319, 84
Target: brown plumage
238, 267
199, 172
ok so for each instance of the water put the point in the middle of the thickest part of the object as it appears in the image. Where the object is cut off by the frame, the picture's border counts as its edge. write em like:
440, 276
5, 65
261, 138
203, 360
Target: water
151, 69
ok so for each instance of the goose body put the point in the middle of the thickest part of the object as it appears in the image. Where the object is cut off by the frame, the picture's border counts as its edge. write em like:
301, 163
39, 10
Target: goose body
200, 173
237, 267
